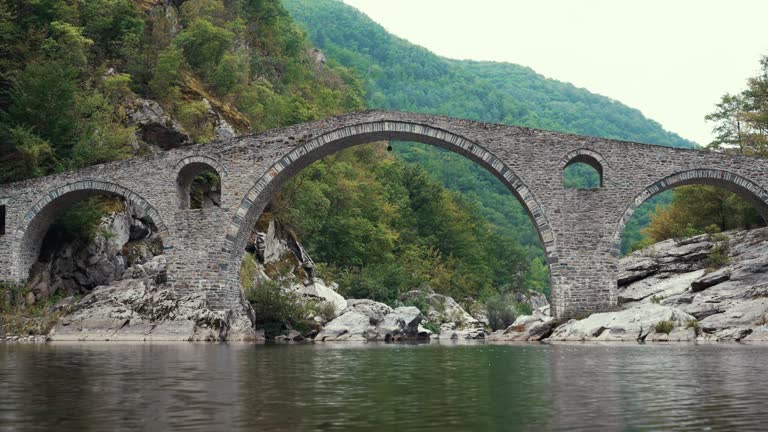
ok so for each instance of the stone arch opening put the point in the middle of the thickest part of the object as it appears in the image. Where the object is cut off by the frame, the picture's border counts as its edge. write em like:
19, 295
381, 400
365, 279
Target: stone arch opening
726, 180
36, 222
258, 197
583, 169
199, 184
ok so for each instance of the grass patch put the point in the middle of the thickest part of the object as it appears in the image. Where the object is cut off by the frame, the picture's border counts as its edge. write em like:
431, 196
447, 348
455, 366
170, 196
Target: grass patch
433, 327
693, 324
664, 327
18, 319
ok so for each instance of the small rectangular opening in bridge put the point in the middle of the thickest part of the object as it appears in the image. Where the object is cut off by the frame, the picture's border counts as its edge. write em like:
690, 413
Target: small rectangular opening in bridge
2, 220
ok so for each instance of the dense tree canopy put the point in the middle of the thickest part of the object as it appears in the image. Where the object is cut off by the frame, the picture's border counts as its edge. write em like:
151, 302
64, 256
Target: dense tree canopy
401, 76
69, 70
382, 227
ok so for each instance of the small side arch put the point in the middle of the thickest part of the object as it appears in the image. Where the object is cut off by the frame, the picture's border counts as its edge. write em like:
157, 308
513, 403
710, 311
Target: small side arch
733, 182
38, 218
588, 157
189, 168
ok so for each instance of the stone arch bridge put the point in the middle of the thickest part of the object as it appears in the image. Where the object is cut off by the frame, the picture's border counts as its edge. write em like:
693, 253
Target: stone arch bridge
580, 228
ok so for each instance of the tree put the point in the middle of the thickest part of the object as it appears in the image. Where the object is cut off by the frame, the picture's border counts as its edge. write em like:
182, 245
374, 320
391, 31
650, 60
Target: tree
204, 44
741, 121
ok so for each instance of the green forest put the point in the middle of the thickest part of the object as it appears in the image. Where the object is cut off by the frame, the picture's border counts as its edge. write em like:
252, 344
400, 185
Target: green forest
398, 75
377, 222
69, 71
381, 227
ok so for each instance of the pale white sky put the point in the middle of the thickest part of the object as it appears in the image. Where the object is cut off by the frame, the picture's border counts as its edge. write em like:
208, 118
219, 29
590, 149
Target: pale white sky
672, 60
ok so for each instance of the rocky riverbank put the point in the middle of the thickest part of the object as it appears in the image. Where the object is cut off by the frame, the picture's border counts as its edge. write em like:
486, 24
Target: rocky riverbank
705, 288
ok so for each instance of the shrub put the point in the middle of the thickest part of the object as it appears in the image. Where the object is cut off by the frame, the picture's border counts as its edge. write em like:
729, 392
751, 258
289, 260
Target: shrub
719, 255
194, 117
664, 326
325, 310
655, 299
276, 309
433, 327
693, 324
503, 310
116, 87
419, 302
272, 303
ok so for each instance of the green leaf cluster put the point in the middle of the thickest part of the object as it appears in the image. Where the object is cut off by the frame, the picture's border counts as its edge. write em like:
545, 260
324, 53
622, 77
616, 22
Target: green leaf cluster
382, 227
398, 75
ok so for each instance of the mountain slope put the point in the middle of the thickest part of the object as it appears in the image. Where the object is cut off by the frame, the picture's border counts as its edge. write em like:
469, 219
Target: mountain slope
398, 75
402, 76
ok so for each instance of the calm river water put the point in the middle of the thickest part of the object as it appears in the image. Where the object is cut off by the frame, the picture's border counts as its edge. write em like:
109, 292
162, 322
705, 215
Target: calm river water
377, 387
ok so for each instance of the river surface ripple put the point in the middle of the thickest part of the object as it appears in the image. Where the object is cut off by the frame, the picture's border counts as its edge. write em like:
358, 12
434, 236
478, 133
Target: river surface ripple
360, 387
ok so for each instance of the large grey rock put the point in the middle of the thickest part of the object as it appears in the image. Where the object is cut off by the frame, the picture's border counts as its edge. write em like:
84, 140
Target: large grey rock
711, 279
350, 326
366, 320
154, 126
442, 310
374, 310
133, 310
646, 289
402, 323
626, 325
317, 290
730, 303
533, 327
122, 239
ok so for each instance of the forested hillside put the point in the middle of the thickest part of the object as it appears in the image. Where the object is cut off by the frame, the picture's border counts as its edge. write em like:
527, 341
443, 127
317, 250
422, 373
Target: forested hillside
73, 75
83, 83
401, 76
90, 82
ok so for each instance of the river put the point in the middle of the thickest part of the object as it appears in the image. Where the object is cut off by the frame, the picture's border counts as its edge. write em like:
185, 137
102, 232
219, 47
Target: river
361, 387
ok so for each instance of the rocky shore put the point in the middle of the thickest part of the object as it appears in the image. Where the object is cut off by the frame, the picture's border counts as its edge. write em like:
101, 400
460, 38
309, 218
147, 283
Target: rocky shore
705, 288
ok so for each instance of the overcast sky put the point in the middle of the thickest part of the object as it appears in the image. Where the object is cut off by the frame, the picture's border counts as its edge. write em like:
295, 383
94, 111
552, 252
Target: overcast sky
670, 59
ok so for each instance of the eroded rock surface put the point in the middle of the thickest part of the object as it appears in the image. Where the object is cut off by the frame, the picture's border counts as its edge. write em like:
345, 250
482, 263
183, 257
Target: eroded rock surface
140, 309
671, 281
367, 320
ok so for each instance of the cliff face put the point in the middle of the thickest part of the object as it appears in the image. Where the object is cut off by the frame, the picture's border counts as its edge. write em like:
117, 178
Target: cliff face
704, 288
721, 282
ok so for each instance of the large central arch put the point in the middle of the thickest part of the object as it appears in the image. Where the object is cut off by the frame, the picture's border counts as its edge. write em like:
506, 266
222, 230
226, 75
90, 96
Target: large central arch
259, 195
35, 223
733, 182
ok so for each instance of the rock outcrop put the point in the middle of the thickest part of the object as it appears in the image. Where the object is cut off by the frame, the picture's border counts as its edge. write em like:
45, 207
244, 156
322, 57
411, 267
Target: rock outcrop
367, 320
528, 328
123, 239
140, 309
154, 126
444, 312
672, 282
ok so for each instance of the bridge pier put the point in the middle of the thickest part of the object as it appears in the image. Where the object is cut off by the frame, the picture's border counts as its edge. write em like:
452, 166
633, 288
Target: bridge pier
584, 277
